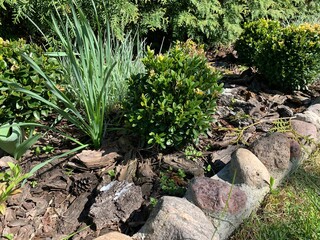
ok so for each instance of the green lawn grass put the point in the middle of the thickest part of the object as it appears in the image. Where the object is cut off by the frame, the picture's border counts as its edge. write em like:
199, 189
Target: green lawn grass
292, 212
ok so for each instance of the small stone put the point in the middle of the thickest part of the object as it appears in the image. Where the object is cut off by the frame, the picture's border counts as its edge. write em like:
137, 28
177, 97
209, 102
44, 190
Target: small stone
115, 203
212, 195
175, 219
4, 161
284, 111
113, 236
249, 169
273, 151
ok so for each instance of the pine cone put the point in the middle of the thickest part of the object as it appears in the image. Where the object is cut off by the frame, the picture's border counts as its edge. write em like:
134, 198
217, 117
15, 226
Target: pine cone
81, 185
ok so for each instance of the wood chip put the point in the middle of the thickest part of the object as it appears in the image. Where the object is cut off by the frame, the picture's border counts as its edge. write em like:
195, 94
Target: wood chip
179, 162
127, 171
18, 223
95, 159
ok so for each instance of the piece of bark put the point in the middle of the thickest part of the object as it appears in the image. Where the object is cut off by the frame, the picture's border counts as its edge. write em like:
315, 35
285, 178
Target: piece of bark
128, 171
115, 203
95, 159
179, 162
71, 216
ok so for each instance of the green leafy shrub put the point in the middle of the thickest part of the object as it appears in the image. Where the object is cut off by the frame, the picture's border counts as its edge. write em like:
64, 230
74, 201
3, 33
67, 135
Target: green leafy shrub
250, 40
15, 105
291, 60
287, 56
172, 103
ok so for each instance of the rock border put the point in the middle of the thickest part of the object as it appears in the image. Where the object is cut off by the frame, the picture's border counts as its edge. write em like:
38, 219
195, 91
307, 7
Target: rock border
214, 207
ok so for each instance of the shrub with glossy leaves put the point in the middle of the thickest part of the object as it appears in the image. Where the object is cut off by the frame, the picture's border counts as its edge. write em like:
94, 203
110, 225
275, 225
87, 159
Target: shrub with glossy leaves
249, 43
19, 106
172, 103
290, 60
287, 56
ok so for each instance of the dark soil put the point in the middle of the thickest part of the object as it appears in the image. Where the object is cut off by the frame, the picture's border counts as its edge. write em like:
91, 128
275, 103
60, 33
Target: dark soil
55, 202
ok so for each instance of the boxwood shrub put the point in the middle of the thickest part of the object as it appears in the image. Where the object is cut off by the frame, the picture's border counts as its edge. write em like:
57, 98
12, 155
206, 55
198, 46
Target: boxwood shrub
16, 106
250, 40
172, 103
287, 56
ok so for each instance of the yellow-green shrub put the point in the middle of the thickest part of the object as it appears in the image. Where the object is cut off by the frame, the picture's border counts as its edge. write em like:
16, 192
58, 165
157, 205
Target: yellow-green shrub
250, 40
287, 56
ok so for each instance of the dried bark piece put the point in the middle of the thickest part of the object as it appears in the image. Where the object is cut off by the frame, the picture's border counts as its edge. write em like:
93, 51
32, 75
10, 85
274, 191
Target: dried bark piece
179, 162
115, 203
128, 171
95, 159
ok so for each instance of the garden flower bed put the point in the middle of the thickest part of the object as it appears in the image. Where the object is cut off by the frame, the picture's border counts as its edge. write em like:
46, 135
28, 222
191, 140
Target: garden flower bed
103, 138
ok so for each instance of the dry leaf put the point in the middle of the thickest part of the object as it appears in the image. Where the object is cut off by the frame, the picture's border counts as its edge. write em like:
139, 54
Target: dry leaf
3, 208
3, 187
16, 191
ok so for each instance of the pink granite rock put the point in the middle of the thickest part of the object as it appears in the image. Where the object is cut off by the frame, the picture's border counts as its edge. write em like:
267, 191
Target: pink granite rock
304, 128
212, 195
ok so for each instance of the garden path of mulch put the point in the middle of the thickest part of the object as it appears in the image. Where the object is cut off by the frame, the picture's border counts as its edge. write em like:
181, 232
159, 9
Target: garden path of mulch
57, 199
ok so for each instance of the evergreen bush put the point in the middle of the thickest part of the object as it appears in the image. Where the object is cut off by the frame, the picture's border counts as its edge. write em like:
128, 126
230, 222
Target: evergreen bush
212, 22
16, 106
287, 56
172, 103
249, 42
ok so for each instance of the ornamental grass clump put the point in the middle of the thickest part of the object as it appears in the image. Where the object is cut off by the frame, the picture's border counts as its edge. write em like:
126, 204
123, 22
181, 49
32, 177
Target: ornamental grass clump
172, 102
97, 67
287, 56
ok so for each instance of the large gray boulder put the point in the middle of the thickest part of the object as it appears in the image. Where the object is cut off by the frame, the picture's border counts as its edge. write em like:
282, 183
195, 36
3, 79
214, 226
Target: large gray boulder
176, 219
249, 169
273, 151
